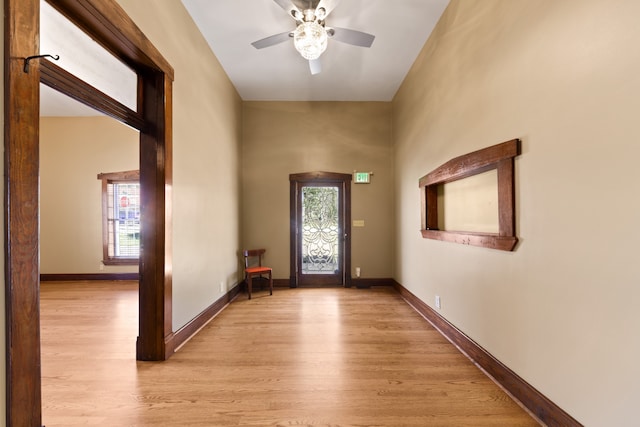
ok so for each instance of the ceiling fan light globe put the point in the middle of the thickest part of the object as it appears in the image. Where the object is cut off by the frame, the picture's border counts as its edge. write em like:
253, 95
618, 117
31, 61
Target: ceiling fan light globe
310, 39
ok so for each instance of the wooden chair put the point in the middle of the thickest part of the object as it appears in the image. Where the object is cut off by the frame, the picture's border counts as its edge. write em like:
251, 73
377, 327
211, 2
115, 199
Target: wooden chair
251, 270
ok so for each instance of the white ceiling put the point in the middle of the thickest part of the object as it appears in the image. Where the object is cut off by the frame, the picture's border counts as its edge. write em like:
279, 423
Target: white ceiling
80, 55
349, 73
56, 104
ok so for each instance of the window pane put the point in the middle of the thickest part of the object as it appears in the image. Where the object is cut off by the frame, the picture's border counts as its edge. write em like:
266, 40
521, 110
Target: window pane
126, 220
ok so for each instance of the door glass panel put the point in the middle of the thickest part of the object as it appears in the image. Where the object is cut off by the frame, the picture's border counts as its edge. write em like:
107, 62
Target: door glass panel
320, 231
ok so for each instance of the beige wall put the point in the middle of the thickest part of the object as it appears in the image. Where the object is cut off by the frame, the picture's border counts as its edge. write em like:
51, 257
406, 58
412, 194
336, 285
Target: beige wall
564, 76
281, 138
3, 378
73, 151
206, 159
469, 204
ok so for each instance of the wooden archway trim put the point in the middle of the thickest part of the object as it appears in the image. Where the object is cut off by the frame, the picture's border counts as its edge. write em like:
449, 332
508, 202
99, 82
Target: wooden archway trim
61, 80
115, 31
108, 24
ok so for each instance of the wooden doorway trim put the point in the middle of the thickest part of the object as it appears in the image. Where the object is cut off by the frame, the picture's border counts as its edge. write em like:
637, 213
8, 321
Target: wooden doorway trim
107, 23
296, 181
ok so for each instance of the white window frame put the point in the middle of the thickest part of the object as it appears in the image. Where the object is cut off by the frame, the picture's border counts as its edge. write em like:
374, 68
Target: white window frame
109, 234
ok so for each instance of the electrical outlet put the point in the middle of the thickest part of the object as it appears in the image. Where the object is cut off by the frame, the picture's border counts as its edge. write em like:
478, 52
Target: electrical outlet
357, 271
438, 303
222, 287
101, 266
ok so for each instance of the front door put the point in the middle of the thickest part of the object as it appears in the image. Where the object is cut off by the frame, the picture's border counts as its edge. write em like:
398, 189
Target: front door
320, 232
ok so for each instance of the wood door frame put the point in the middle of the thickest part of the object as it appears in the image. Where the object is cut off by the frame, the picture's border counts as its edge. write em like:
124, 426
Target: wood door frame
107, 23
296, 181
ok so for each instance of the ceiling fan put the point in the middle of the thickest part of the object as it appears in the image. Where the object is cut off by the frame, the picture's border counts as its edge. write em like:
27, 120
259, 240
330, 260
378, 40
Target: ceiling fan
311, 35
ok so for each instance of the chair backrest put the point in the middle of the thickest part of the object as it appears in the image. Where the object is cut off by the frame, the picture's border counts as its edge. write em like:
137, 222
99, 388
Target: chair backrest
248, 254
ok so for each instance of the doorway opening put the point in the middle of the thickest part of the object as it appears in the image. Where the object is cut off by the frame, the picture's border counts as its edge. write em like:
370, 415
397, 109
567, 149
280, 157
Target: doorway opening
107, 23
320, 217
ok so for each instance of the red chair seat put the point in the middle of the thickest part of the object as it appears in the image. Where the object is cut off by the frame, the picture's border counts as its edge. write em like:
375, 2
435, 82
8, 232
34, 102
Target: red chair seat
257, 270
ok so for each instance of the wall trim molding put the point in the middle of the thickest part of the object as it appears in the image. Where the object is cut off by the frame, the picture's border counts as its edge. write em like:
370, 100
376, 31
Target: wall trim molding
539, 405
277, 283
357, 282
369, 282
73, 277
182, 335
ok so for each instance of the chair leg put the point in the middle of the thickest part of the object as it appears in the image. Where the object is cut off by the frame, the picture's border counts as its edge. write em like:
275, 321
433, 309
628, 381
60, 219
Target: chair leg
270, 284
249, 285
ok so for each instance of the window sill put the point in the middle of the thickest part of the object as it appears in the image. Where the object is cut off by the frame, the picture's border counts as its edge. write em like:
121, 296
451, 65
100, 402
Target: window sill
121, 261
485, 240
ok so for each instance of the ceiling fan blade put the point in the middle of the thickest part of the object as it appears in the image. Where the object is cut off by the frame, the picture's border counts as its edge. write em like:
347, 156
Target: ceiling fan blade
315, 66
272, 40
356, 38
291, 9
327, 5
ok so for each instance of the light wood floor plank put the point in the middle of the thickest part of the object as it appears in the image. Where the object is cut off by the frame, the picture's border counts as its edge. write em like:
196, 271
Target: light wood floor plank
302, 357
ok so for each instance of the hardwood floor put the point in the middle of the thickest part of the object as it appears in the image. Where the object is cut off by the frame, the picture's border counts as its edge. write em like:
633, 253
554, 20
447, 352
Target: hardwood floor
302, 357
